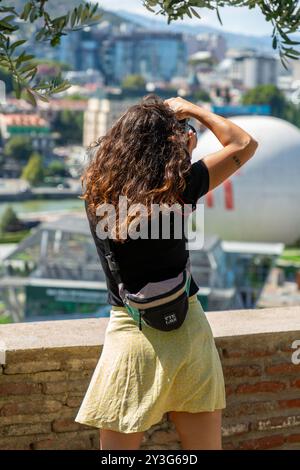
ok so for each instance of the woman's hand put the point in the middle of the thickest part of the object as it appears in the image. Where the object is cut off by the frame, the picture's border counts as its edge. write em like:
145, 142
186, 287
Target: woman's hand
180, 106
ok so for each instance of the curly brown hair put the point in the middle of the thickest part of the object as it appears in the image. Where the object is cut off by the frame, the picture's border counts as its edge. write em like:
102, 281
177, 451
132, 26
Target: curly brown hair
137, 158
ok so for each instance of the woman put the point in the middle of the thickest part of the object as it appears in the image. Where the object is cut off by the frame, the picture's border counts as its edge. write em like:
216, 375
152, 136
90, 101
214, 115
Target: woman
143, 374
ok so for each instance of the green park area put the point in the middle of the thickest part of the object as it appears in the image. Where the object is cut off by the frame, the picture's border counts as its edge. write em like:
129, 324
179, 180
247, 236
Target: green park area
291, 255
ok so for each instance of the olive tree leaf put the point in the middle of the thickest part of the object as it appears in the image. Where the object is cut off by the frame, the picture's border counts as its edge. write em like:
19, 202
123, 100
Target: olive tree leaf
13, 55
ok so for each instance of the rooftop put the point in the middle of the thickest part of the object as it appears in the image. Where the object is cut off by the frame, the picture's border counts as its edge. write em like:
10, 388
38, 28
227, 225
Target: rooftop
27, 120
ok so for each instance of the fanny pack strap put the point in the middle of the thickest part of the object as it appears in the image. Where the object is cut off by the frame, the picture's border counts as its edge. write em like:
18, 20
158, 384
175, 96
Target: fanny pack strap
111, 260
115, 271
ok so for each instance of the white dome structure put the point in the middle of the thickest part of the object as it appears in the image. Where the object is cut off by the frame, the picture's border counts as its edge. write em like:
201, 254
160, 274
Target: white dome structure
260, 201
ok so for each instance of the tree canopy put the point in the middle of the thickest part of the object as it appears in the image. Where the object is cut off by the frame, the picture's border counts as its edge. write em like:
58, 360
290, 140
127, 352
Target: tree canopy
280, 106
133, 82
33, 172
69, 126
18, 147
267, 94
9, 220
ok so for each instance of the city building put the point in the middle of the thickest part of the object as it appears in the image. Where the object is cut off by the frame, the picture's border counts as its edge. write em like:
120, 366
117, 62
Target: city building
100, 115
83, 77
211, 42
30, 125
116, 52
154, 55
49, 110
251, 68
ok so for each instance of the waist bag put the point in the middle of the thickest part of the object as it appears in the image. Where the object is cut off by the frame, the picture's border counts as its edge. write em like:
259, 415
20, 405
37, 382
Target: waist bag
161, 305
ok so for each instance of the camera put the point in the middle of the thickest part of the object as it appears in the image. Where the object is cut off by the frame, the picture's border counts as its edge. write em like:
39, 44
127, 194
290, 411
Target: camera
186, 126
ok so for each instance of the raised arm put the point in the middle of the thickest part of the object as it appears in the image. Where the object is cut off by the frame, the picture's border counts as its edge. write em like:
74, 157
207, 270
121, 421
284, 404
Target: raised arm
239, 146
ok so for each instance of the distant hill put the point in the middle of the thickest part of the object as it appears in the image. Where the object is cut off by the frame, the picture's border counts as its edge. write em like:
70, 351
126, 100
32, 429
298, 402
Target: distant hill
55, 7
234, 40
263, 43
116, 19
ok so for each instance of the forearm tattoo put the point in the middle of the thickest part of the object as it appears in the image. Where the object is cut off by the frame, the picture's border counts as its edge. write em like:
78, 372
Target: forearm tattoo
237, 161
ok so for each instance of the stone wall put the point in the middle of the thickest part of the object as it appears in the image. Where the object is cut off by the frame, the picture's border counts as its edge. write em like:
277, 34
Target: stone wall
46, 368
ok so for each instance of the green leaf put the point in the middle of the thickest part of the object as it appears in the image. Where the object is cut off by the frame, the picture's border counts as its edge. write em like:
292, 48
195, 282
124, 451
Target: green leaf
73, 17
287, 54
30, 75
84, 14
17, 88
27, 8
8, 19
4, 9
290, 49
62, 87
152, 3
189, 13
286, 37
290, 42
195, 12
40, 34
94, 9
7, 27
26, 68
149, 8
33, 15
79, 11
30, 97
17, 44
284, 63
23, 58
218, 15
59, 20
42, 97
20, 59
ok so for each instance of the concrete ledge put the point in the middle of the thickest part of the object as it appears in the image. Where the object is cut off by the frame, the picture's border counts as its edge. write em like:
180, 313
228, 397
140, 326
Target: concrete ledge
252, 322
90, 332
46, 368
53, 334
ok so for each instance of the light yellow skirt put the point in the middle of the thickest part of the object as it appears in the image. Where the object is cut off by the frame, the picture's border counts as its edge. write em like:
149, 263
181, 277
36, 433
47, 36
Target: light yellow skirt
141, 375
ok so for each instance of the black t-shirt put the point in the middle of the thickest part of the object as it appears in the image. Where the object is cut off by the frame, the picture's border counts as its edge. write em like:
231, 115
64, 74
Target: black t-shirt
153, 260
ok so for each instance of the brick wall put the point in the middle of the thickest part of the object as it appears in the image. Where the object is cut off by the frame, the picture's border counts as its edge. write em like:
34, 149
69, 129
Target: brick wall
47, 367
263, 392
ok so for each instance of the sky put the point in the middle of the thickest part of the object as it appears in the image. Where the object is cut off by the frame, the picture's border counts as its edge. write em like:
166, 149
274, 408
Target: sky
234, 19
